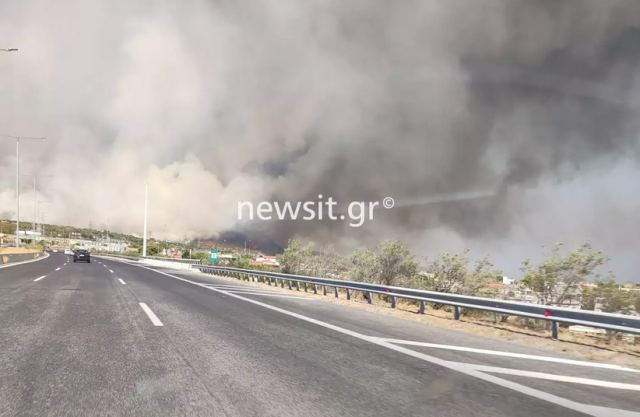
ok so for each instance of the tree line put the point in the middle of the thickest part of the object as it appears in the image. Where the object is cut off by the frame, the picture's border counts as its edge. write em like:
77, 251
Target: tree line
557, 280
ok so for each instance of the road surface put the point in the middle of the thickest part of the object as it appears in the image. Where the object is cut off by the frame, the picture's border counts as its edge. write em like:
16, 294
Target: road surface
112, 338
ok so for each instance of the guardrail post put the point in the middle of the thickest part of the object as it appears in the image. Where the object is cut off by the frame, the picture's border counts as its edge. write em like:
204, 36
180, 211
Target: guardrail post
297, 285
421, 310
305, 286
554, 330
456, 312
289, 283
315, 289
348, 294
335, 291
282, 283
324, 290
393, 301
369, 297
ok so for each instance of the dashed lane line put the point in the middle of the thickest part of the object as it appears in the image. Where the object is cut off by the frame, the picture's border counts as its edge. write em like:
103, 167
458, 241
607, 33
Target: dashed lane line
154, 319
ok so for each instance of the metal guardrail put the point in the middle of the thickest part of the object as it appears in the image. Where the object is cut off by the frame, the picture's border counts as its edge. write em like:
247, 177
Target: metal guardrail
609, 321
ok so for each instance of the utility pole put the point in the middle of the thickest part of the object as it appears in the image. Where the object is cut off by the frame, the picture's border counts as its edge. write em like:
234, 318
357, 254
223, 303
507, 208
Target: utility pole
144, 232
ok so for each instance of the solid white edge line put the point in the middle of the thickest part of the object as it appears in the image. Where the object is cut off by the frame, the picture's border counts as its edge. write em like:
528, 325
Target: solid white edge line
555, 377
39, 278
269, 290
462, 368
154, 319
512, 355
271, 295
255, 289
122, 281
25, 262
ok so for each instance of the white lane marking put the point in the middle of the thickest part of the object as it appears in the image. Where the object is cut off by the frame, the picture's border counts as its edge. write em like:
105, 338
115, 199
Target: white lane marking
271, 295
39, 278
243, 288
154, 319
58, 268
111, 270
554, 377
462, 368
231, 286
122, 281
256, 291
240, 288
512, 355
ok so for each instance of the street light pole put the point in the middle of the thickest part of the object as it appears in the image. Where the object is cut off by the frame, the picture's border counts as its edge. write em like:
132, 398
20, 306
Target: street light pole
35, 208
17, 192
17, 138
144, 232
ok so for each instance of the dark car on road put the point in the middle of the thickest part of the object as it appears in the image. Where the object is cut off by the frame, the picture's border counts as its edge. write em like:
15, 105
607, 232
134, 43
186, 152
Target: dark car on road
81, 255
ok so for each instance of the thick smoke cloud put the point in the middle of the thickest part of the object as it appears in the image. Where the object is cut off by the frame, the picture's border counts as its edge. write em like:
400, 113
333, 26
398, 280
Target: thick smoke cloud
533, 106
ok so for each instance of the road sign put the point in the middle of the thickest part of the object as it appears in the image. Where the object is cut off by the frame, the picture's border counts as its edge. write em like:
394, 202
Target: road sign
214, 255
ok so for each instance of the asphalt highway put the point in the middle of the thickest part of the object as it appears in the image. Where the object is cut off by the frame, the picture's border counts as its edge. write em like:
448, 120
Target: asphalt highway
112, 338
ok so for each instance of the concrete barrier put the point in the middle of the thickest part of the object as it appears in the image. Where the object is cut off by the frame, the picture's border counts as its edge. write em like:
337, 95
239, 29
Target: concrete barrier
10, 258
166, 263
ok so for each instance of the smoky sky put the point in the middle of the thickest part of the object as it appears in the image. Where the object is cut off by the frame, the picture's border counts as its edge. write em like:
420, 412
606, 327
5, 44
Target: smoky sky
533, 106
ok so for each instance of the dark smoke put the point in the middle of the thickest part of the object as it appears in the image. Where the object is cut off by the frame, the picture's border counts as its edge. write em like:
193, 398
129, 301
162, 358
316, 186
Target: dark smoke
531, 105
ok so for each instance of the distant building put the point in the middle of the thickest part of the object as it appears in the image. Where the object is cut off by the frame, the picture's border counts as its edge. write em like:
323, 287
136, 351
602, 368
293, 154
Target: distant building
172, 252
513, 290
263, 260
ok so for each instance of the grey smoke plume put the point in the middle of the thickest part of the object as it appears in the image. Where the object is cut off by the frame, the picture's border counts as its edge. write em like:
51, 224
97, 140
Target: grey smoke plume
535, 104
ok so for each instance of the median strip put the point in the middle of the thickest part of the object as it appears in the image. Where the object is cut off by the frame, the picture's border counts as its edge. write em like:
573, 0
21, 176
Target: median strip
154, 319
